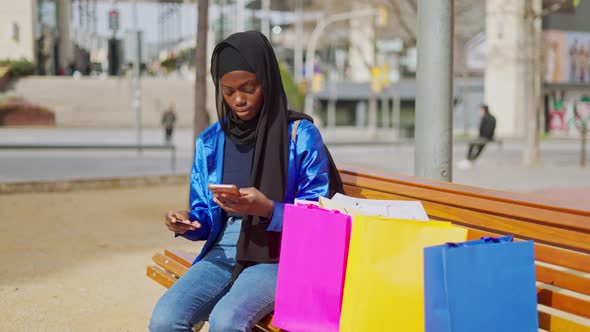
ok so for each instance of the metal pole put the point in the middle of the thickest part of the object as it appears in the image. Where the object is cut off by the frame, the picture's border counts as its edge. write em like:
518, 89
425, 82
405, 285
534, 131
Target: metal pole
433, 157
372, 125
94, 25
169, 28
332, 102
136, 74
583, 154
372, 132
160, 29
396, 114
266, 18
80, 23
464, 109
173, 159
179, 14
88, 30
222, 20
385, 111
240, 16
299, 44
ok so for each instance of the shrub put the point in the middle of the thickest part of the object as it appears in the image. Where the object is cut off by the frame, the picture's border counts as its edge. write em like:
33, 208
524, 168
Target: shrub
19, 68
169, 64
294, 97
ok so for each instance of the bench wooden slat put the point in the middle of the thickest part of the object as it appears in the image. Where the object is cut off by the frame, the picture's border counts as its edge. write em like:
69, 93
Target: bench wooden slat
170, 264
161, 276
563, 280
555, 323
540, 233
544, 253
183, 257
265, 325
543, 214
547, 275
393, 180
573, 260
563, 302
529, 230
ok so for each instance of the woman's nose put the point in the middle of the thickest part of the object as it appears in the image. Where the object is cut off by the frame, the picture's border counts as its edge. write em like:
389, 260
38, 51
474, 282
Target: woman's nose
240, 100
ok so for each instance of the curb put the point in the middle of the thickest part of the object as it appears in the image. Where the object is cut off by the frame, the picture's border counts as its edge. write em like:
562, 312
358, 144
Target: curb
90, 184
329, 143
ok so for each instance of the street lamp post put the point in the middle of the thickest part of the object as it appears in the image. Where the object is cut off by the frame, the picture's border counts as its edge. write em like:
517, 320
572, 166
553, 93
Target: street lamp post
298, 45
240, 15
136, 73
434, 81
266, 18
311, 47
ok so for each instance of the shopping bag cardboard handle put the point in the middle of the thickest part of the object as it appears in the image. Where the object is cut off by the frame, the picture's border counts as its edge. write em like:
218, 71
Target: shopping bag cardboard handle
315, 207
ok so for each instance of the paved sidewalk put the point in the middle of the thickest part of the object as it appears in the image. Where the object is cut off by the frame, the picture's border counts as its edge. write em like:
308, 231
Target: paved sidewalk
496, 169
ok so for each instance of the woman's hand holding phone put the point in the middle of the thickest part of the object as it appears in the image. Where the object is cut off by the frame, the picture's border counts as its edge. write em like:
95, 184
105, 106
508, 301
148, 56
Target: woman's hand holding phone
179, 222
231, 189
249, 202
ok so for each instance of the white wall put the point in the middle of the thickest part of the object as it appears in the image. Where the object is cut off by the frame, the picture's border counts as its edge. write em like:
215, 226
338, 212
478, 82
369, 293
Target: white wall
107, 103
508, 83
504, 73
362, 41
20, 12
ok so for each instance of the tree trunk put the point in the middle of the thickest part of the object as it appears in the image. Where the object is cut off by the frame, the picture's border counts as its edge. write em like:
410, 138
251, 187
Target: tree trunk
201, 119
532, 155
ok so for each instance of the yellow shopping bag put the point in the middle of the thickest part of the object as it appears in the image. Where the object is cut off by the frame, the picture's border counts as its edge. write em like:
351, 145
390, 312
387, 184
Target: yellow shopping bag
384, 289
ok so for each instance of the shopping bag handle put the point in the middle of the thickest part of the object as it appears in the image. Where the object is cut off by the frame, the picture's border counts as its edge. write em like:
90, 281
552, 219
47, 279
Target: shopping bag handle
315, 207
485, 239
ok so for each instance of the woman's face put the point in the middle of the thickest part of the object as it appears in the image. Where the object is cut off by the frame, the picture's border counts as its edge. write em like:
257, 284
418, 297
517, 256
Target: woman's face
242, 93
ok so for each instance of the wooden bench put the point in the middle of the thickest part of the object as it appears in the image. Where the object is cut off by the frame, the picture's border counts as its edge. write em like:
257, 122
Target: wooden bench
171, 264
561, 233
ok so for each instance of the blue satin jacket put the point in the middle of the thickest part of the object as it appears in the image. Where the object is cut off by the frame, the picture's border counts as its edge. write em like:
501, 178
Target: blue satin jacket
307, 179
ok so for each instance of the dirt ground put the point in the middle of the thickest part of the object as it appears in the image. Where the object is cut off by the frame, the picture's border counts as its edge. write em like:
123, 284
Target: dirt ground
76, 261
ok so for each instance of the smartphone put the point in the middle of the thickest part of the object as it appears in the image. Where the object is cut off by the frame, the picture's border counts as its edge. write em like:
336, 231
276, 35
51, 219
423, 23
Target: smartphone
186, 222
231, 189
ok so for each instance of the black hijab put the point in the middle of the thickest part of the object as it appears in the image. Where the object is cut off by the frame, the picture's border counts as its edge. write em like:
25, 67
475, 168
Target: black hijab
268, 132
241, 132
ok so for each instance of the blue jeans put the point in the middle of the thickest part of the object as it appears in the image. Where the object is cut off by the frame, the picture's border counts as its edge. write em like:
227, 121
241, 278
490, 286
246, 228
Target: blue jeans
205, 291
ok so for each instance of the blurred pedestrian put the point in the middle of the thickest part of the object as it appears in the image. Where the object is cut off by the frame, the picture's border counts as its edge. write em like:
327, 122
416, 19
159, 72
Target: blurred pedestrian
487, 127
168, 121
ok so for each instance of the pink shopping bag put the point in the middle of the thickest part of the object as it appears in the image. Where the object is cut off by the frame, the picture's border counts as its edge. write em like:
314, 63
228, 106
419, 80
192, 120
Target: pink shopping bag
312, 268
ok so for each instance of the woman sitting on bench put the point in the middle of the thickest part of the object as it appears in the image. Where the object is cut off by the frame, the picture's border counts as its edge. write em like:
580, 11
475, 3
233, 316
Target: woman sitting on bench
275, 156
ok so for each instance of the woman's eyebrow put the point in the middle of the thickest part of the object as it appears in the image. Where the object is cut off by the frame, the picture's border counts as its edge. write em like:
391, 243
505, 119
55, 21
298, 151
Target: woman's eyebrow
252, 81
247, 82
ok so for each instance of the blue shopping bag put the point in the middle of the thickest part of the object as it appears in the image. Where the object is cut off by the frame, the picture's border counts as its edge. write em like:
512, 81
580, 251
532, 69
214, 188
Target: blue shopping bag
482, 285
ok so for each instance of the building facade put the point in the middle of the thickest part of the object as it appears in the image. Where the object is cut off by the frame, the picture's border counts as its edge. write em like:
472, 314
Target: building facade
37, 31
